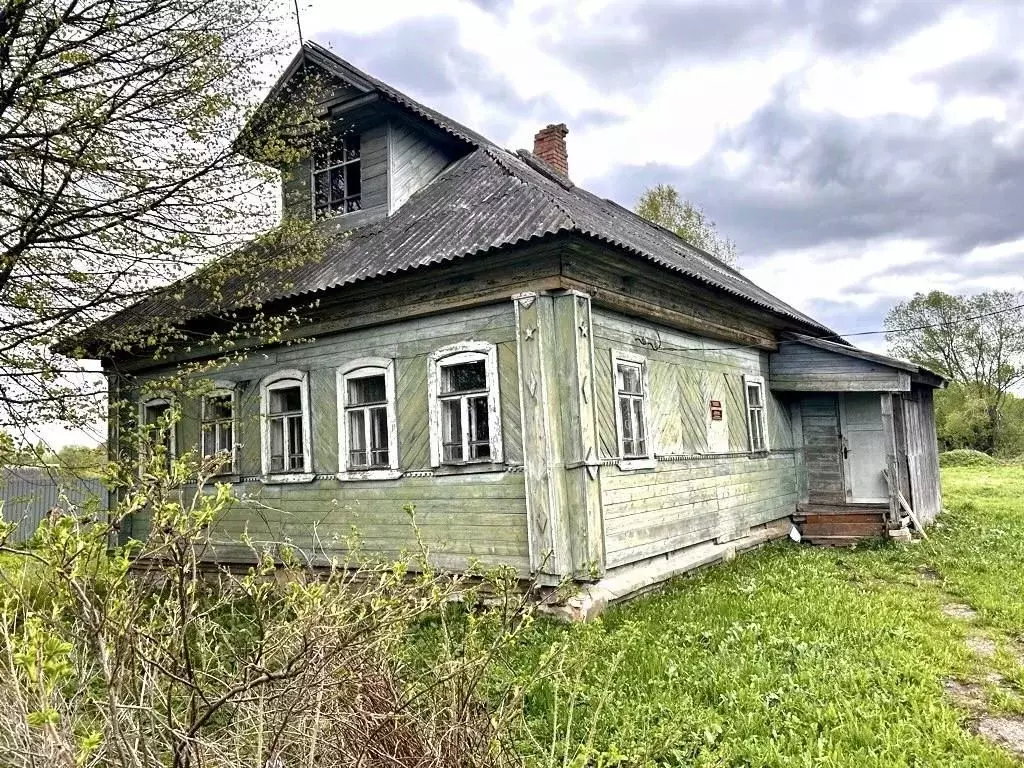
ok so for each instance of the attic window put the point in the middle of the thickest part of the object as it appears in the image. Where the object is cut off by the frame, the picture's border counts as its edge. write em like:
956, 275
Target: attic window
337, 187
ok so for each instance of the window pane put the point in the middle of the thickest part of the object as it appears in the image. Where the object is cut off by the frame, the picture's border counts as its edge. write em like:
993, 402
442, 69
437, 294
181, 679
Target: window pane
156, 413
285, 400
464, 377
757, 429
217, 407
451, 430
479, 429
754, 395
379, 437
640, 447
367, 389
276, 445
224, 436
320, 189
352, 147
627, 418
209, 439
357, 439
629, 379
337, 189
352, 179
295, 450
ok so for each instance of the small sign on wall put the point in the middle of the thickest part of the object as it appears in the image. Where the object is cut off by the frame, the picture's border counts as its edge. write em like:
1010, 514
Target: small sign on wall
716, 410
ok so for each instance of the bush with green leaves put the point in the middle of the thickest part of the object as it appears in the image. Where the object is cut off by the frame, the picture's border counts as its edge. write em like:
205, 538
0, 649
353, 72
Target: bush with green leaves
148, 654
965, 457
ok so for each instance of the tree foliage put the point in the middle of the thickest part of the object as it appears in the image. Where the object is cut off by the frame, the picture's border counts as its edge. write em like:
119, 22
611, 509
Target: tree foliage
663, 205
119, 170
977, 342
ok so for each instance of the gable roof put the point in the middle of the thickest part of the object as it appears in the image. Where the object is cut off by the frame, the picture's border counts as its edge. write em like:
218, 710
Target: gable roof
490, 199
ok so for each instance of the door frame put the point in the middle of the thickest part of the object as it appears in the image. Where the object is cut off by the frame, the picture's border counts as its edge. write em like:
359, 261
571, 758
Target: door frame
844, 447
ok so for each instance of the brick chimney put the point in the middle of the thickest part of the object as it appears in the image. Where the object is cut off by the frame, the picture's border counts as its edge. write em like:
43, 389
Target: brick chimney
549, 146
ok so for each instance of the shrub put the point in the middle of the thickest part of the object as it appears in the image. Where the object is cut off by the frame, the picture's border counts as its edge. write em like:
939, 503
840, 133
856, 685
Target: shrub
142, 655
965, 457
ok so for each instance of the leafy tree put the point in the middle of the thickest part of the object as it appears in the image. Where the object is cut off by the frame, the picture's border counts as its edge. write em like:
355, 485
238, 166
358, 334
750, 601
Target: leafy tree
119, 172
663, 205
975, 341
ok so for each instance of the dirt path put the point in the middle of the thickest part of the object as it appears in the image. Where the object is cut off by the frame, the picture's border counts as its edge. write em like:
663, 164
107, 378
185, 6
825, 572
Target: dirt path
976, 697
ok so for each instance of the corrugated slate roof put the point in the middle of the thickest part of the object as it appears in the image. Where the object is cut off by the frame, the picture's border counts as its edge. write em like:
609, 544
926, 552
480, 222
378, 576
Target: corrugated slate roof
489, 199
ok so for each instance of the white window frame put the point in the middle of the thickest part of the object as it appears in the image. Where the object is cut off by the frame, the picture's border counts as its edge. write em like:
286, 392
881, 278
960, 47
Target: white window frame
284, 380
167, 400
367, 366
314, 171
633, 462
221, 388
456, 354
758, 381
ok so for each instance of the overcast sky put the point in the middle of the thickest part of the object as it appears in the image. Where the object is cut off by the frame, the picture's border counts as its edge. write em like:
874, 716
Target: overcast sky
856, 151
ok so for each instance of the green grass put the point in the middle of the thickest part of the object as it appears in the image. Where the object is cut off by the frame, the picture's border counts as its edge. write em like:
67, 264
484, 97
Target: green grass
798, 656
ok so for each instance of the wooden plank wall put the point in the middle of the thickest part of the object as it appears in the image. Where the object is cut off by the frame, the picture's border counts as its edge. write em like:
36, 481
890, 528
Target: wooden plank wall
799, 367
922, 452
415, 161
823, 460
477, 514
692, 495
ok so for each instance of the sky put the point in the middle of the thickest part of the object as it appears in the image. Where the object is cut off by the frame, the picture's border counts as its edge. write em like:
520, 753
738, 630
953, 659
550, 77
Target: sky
856, 151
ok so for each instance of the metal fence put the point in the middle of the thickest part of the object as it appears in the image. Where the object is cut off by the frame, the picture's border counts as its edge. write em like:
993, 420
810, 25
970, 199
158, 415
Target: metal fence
28, 494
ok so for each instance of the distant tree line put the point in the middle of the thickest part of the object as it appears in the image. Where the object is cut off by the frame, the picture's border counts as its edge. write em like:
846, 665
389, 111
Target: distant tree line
977, 342
79, 460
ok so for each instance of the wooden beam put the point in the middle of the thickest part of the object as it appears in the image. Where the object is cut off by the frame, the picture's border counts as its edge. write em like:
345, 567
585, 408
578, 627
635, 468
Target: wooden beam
892, 471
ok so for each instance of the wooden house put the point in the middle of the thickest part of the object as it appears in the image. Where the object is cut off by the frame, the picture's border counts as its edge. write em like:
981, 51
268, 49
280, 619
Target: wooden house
554, 383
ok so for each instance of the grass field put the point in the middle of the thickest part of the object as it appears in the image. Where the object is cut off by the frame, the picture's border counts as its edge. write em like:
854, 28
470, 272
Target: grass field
798, 656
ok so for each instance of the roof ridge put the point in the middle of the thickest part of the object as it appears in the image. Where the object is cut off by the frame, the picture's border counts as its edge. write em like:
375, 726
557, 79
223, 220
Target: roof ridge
445, 123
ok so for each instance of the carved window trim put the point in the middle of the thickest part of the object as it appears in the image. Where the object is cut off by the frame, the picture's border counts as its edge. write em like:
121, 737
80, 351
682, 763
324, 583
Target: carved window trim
757, 414
220, 389
271, 383
363, 367
646, 459
455, 354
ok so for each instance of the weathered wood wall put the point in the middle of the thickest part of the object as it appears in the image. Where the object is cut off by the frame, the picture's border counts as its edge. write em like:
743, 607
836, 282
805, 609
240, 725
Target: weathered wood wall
687, 501
471, 513
802, 368
697, 491
822, 449
414, 162
922, 452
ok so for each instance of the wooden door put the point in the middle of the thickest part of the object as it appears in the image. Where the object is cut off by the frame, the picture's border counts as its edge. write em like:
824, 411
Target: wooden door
864, 451
823, 456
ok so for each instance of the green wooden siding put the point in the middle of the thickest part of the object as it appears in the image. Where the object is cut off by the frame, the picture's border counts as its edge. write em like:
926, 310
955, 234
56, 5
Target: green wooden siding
688, 499
685, 373
681, 503
460, 518
469, 514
